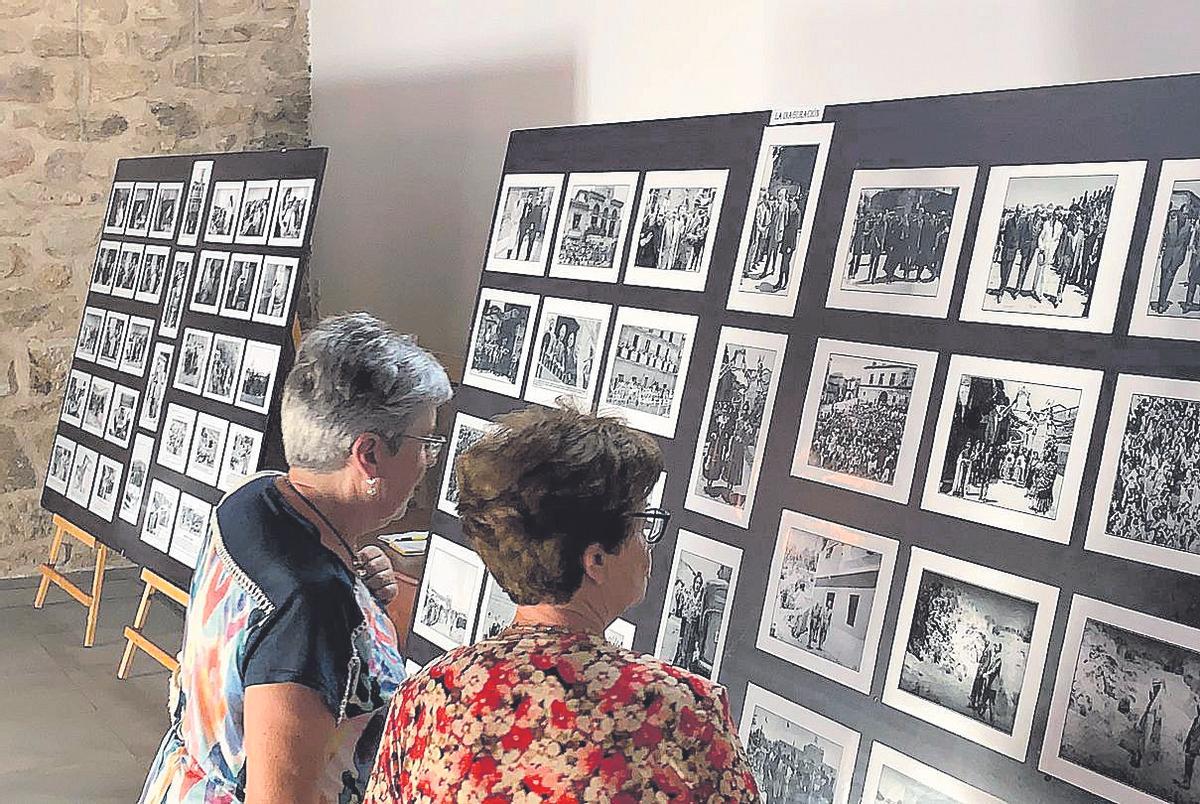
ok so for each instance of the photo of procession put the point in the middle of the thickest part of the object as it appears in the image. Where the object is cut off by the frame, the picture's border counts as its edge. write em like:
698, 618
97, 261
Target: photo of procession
500, 344
696, 611
594, 222
524, 221
677, 219
569, 343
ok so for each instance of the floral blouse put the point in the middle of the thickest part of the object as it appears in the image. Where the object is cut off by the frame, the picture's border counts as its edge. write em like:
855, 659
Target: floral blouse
540, 714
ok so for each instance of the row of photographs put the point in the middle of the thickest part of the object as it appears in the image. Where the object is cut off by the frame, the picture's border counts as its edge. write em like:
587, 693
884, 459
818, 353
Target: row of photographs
272, 212
227, 369
968, 656
1050, 251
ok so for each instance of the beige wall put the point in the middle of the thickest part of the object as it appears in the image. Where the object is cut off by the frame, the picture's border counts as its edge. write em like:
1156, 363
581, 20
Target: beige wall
83, 82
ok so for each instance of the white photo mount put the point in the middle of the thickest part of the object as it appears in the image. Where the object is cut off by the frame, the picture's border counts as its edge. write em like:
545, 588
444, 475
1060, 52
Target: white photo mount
143, 193
292, 212
162, 218
578, 183
160, 515
195, 202
240, 461
879, 782
463, 423
246, 233
177, 292
107, 488
273, 302
445, 556
489, 381
677, 180
497, 606
223, 211
621, 633
117, 212
547, 390
503, 237
1146, 321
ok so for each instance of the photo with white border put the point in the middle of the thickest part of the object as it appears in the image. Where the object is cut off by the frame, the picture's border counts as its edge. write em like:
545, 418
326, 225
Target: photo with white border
568, 349
210, 281
593, 227
106, 488
167, 203
500, 341
193, 204
258, 202
621, 633
497, 611
58, 474
242, 449
135, 482
190, 530
273, 298
208, 445
1167, 303
256, 383
678, 215
83, 475
895, 777
193, 360
525, 218
467, 431
154, 274
223, 211
293, 210
448, 601
160, 515
176, 440
176, 293
141, 205
118, 207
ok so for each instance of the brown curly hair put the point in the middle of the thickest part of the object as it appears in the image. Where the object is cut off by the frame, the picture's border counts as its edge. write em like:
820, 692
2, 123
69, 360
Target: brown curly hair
548, 483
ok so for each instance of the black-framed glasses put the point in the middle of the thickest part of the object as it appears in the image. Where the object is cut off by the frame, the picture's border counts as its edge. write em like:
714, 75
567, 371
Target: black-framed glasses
654, 524
433, 445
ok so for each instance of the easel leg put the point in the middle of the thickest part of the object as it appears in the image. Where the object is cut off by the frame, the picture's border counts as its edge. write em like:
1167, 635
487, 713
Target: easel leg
89, 637
139, 620
44, 586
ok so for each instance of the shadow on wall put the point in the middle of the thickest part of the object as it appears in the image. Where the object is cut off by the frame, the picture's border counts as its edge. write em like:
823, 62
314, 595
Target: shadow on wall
412, 179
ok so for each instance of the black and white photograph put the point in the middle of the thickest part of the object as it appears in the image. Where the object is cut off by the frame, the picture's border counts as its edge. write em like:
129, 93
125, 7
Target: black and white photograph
208, 445
118, 207
567, 350
193, 360
106, 488
1125, 716
167, 203
175, 444
74, 397
136, 351
122, 416
863, 416
223, 211
135, 481
448, 601
1051, 245
901, 237
468, 430
733, 430
826, 598
242, 448
497, 611
796, 754
156, 386
153, 274
779, 218
1167, 304
593, 226
695, 618
105, 271
191, 529
273, 299
160, 515
621, 633
95, 409
256, 383
648, 361
500, 341
175, 295
58, 474
969, 650
224, 363
193, 202
289, 221
141, 205
524, 222
210, 279
255, 217
1011, 443
129, 268
91, 331
83, 476
1147, 500
237, 298
675, 228
895, 778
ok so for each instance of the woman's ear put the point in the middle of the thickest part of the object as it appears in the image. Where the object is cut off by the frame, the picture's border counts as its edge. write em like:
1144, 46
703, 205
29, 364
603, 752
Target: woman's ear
364, 454
594, 563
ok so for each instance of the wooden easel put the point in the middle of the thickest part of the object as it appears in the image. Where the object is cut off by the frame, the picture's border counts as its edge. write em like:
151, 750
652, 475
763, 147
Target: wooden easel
50, 574
135, 640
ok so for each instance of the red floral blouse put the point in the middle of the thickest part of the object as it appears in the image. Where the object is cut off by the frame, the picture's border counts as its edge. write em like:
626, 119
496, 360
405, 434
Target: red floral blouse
547, 715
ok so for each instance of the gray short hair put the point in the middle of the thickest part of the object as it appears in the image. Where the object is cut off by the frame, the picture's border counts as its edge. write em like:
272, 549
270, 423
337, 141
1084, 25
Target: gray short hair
353, 375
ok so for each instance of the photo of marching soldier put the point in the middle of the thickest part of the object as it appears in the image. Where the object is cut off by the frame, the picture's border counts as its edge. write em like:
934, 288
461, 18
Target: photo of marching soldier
778, 216
899, 240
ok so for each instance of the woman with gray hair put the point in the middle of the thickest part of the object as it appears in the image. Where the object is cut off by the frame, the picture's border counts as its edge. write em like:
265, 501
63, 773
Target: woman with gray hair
288, 662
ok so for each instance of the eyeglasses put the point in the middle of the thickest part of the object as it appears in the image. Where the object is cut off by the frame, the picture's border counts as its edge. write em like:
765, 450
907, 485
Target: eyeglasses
655, 524
433, 445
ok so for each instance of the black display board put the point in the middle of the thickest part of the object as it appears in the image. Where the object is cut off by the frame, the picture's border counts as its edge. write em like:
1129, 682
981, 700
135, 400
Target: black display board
252, 260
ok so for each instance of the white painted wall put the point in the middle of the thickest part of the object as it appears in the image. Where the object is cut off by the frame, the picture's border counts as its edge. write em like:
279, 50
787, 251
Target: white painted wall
415, 99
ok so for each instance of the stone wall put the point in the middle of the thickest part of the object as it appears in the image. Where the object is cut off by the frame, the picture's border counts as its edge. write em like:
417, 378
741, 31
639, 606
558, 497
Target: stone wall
82, 83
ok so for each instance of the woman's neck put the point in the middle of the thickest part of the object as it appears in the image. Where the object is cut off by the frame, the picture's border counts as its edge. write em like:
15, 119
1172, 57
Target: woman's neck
334, 500
574, 615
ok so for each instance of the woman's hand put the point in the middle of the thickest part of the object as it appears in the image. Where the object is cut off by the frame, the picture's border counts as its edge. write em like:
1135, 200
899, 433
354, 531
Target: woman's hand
378, 574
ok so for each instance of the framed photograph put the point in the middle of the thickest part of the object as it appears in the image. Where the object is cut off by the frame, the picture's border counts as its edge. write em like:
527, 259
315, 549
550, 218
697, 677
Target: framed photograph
524, 219
568, 348
676, 225
648, 361
91, 330
135, 482
83, 476
448, 601
1125, 716
208, 445
863, 415
289, 222
122, 417
826, 598
237, 299
733, 430
153, 275
1011, 443
1052, 245
224, 363
160, 515
141, 205
58, 474
467, 431
970, 649
193, 360
895, 777
165, 214
129, 267
593, 226
156, 386
95, 410
176, 441
256, 383
497, 612
210, 279
257, 204
795, 753
105, 270
779, 218
695, 618
1167, 304
273, 300
74, 397
106, 488
621, 633
176, 293
136, 351
190, 530
901, 238
223, 212
193, 203
118, 207
242, 448
499, 350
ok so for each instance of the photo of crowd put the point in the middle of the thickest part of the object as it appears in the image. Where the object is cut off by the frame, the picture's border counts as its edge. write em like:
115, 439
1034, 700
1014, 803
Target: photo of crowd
791, 763
646, 369
593, 224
